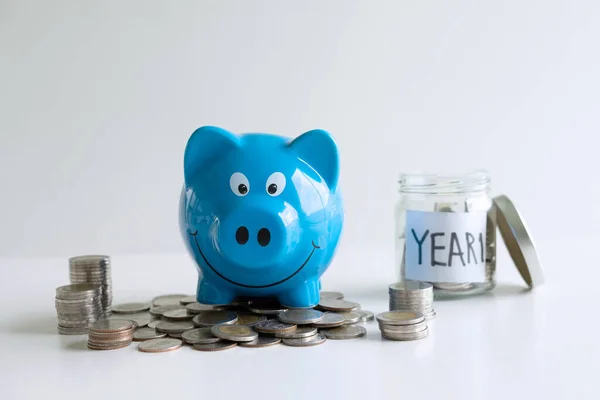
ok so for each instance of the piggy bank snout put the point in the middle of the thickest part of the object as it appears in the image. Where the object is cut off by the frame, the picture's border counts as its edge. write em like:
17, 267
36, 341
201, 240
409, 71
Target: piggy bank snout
252, 237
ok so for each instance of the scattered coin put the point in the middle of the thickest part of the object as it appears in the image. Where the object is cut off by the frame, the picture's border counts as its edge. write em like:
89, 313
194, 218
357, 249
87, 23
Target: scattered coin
160, 310
174, 326
345, 332
400, 317
142, 334
249, 319
331, 295
153, 324
130, 308
168, 300
350, 317
187, 300
300, 332
234, 333
337, 305
365, 316
160, 345
273, 326
331, 320
195, 307
300, 316
214, 346
211, 318
262, 341
199, 336
266, 310
139, 320
180, 314
319, 338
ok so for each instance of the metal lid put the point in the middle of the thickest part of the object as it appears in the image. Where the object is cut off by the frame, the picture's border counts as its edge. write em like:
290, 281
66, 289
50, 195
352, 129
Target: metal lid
518, 241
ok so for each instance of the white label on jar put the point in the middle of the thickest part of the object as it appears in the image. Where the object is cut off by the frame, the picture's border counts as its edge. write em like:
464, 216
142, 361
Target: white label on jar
445, 247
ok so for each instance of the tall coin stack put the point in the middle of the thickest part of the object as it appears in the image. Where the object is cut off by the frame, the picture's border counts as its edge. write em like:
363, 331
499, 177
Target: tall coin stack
78, 306
94, 270
412, 296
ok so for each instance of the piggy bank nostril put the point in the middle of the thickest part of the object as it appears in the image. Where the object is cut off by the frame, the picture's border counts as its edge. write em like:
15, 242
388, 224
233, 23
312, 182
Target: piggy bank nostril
242, 235
264, 237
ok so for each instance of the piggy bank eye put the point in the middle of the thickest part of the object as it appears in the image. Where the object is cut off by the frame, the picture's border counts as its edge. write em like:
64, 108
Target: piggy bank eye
239, 184
275, 184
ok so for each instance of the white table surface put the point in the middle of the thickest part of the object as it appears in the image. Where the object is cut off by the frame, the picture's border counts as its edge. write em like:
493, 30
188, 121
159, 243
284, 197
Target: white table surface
510, 343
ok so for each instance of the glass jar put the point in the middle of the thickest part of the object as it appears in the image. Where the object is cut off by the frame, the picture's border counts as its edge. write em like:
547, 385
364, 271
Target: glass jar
446, 232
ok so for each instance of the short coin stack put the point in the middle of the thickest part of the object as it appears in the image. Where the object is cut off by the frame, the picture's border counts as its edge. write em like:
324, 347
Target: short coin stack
412, 296
94, 269
110, 334
77, 306
402, 325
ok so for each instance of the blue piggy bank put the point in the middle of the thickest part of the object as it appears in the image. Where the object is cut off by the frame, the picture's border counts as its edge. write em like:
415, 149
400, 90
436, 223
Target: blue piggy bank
261, 214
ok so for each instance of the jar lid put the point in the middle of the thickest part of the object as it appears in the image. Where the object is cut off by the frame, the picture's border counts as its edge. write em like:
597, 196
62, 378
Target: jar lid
518, 241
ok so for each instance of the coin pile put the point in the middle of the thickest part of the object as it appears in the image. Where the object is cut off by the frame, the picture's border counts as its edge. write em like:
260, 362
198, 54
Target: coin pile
77, 306
94, 269
402, 325
245, 323
412, 296
110, 334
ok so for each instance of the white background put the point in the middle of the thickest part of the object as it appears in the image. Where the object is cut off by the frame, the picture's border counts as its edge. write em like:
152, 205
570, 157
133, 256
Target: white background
97, 101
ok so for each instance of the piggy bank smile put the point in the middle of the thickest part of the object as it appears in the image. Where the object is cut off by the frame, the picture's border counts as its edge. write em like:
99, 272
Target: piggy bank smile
261, 214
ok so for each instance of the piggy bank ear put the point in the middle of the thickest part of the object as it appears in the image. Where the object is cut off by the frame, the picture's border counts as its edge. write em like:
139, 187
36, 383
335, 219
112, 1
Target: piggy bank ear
318, 149
205, 145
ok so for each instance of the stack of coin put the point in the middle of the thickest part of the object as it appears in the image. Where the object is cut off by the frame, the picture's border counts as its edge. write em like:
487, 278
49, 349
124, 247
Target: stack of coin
110, 334
402, 325
77, 306
96, 270
412, 296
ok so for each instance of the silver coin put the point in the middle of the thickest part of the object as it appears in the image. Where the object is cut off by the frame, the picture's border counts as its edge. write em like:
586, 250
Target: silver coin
77, 291
331, 295
400, 318
160, 345
317, 339
404, 328
345, 332
273, 326
199, 335
130, 308
177, 335
214, 346
350, 317
177, 315
160, 310
430, 315
300, 316
187, 300
111, 325
211, 318
168, 300
72, 331
249, 319
142, 334
234, 333
406, 336
266, 310
195, 307
337, 305
174, 326
365, 316
300, 332
409, 285
331, 320
262, 341
154, 323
